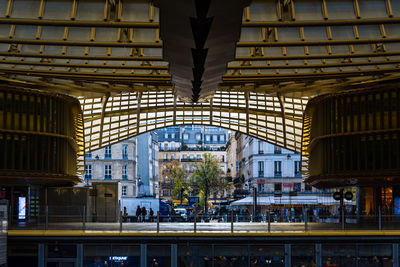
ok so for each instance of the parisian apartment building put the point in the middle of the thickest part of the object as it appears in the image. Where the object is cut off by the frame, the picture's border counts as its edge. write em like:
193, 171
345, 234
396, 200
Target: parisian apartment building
133, 163
115, 163
269, 168
185, 145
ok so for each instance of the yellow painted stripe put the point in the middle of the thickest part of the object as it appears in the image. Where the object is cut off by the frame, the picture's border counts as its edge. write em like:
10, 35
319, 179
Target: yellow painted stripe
44, 233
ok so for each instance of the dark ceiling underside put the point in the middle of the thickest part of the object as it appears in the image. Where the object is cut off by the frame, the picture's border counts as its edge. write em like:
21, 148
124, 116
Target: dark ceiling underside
197, 42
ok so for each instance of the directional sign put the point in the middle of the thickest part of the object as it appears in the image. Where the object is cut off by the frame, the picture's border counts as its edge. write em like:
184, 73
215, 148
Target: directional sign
337, 196
348, 195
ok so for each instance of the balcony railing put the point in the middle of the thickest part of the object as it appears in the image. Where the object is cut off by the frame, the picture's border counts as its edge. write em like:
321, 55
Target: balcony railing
190, 160
166, 160
260, 174
278, 174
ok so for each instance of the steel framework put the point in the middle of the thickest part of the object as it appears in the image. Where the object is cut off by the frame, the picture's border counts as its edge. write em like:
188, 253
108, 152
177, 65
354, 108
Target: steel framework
109, 55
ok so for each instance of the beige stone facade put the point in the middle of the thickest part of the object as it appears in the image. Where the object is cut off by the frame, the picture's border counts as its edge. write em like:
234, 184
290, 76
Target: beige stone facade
120, 159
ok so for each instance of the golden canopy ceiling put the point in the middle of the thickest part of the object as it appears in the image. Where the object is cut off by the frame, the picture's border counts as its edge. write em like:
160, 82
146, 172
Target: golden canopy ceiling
109, 54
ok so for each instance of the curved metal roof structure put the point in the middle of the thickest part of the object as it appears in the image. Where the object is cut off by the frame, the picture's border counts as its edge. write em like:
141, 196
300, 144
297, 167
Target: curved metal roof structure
110, 55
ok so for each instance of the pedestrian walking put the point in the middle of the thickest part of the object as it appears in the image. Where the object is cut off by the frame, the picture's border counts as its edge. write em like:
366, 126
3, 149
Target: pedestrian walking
138, 213
144, 213
125, 215
151, 214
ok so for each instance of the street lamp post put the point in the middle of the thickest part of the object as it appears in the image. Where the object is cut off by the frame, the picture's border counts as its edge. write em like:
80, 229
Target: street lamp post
139, 183
182, 190
254, 202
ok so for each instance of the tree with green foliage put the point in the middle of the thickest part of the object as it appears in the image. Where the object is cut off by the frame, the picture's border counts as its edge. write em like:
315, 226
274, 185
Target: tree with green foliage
206, 177
177, 175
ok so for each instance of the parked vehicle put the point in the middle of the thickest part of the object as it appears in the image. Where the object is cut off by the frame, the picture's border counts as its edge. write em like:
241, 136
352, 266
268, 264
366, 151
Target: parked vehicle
183, 212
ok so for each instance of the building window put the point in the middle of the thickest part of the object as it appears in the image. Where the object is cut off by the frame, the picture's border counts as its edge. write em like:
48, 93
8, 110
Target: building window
215, 138
165, 157
208, 137
166, 135
297, 187
191, 157
278, 187
107, 172
223, 158
198, 137
297, 168
124, 172
89, 155
308, 188
107, 152
172, 156
184, 156
277, 150
198, 157
124, 190
222, 138
261, 169
125, 151
277, 168
260, 188
88, 171
173, 135
185, 136
260, 147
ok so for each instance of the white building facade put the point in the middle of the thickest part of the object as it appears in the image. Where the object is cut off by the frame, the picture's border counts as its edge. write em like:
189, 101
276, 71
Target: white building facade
115, 163
269, 168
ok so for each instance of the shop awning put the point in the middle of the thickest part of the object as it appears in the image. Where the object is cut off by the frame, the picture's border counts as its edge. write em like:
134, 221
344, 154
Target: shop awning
290, 200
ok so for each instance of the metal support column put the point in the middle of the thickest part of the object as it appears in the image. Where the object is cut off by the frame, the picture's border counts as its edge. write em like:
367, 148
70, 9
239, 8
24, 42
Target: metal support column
231, 221
174, 255
79, 255
305, 220
195, 219
318, 254
143, 255
41, 255
84, 218
158, 221
395, 255
342, 219
379, 218
288, 255
120, 221
46, 226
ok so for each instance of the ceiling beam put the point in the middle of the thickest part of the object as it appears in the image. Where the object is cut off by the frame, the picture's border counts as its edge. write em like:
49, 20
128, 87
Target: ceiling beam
300, 76
79, 23
322, 56
317, 43
83, 57
81, 43
73, 65
304, 66
327, 22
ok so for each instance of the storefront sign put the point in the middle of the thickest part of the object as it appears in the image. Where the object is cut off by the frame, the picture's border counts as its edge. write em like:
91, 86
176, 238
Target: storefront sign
118, 258
21, 208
